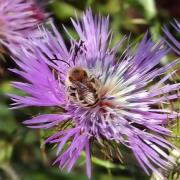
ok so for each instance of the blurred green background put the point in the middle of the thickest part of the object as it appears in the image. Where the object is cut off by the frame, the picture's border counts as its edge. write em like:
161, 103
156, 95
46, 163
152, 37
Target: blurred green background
21, 156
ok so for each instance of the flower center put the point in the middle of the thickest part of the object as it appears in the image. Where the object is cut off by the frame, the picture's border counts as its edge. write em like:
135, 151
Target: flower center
37, 13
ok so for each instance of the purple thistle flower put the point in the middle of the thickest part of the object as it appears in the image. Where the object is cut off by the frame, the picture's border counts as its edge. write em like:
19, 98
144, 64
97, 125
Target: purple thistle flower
19, 19
173, 42
103, 97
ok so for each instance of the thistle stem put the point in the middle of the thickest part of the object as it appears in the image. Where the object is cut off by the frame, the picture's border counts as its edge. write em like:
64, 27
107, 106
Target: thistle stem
11, 173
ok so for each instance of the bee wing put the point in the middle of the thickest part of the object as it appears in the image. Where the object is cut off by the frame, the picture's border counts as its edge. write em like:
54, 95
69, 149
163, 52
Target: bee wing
84, 95
89, 98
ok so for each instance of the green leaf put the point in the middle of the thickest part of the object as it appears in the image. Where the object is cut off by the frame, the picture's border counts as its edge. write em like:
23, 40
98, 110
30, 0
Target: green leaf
89, 3
104, 163
149, 8
5, 151
63, 10
7, 120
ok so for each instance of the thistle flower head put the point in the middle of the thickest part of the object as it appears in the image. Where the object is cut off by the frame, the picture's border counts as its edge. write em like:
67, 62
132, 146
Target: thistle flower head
102, 96
19, 19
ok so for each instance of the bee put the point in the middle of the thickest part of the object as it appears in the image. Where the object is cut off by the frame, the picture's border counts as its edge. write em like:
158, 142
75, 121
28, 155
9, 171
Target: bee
82, 87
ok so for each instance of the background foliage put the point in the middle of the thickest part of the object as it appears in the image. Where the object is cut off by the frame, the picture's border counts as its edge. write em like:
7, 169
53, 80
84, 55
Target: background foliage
22, 155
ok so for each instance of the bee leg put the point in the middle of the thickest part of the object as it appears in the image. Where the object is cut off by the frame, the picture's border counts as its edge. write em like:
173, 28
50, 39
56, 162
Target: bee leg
72, 93
77, 50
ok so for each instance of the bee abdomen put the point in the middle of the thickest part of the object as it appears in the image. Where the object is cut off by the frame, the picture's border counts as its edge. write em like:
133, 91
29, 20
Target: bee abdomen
88, 99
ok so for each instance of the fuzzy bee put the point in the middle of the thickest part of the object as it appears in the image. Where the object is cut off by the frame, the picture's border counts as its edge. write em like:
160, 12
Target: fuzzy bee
82, 87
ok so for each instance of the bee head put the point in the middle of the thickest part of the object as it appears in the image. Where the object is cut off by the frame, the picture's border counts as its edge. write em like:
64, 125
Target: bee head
77, 74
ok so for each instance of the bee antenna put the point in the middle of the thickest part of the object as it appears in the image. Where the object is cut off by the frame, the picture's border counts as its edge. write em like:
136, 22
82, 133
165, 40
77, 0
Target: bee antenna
55, 58
62, 61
